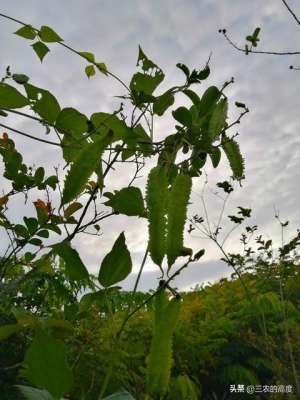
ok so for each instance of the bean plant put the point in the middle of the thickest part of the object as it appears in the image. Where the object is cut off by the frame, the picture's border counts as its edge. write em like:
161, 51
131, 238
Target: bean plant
45, 286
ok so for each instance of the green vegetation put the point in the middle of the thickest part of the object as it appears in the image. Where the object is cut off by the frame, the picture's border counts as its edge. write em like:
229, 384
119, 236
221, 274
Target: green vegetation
220, 338
68, 334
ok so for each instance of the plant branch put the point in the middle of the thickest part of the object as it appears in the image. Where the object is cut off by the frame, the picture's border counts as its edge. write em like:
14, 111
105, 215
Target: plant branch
291, 12
140, 271
274, 53
31, 136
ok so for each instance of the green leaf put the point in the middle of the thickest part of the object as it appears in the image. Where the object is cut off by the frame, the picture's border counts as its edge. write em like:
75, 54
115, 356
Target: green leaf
88, 56
71, 121
82, 168
44, 265
240, 105
145, 83
46, 367
246, 212
35, 242
71, 312
57, 324
21, 79
138, 142
184, 69
8, 330
116, 265
226, 186
75, 268
199, 254
32, 91
150, 77
111, 122
102, 68
43, 233
256, 33
186, 251
48, 35
90, 298
204, 73
193, 97
209, 99
215, 156
183, 116
39, 175
128, 201
156, 197
144, 62
195, 113
143, 141
25, 319
127, 153
26, 32
253, 39
72, 146
42, 214
52, 181
21, 230
47, 106
232, 150
90, 71
28, 256
11, 98
54, 228
71, 209
217, 120
177, 210
99, 298
163, 102
40, 49
31, 393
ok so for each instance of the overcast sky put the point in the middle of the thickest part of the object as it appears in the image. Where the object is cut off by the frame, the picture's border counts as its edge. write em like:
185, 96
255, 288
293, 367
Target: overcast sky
172, 31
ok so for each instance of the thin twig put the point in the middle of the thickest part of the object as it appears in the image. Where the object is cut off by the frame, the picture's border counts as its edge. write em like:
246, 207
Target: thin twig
140, 271
31, 136
274, 53
291, 12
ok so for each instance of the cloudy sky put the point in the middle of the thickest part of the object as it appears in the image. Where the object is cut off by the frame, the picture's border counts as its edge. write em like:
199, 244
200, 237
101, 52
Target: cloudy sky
172, 31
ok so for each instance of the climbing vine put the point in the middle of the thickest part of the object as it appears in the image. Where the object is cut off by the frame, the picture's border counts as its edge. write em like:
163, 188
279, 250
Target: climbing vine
46, 286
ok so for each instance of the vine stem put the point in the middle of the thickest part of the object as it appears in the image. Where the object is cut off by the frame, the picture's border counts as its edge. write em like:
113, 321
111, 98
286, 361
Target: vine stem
31, 136
140, 271
274, 53
291, 12
70, 49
